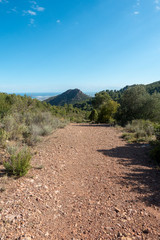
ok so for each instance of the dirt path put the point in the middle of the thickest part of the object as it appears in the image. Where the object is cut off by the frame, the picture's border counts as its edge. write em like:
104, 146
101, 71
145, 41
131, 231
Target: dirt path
92, 186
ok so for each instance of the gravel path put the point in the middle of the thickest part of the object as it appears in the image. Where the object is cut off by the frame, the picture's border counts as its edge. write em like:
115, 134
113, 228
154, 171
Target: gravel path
92, 186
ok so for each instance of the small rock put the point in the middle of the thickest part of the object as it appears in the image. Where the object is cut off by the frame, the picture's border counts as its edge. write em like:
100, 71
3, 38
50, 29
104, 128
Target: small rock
24, 237
146, 231
119, 234
56, 192
126, 238
10, 217
119, 225
30, 180
47, 234
117, 210
38, 211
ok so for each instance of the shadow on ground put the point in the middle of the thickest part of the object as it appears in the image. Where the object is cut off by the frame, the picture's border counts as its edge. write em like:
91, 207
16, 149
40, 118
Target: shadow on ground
2, 173
144, 177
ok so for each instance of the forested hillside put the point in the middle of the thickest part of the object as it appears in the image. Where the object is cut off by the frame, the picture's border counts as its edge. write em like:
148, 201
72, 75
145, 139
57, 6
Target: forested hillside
71, 96
150, 88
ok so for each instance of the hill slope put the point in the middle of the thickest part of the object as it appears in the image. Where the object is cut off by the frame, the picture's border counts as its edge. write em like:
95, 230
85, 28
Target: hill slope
150, 88
153, 87
71, 96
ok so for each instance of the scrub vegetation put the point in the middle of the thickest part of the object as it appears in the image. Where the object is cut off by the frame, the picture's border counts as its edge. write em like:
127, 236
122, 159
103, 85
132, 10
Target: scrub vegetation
25, 121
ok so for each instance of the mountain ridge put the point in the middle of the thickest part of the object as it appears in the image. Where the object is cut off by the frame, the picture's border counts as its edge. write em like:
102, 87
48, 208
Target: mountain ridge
71, 96
150, 87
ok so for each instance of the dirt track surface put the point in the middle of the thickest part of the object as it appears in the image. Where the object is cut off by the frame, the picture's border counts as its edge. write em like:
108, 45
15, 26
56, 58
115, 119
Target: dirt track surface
93, 186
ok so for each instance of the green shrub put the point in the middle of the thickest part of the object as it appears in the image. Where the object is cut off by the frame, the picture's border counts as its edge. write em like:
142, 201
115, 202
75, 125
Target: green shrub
107, 111
56, 123
35, 130
139, 131
141, 124
93, 116
128, 136
12, 149
3, 137
14, 126
155, 151
25, 120
32, 140
29, 126
63, 123
19, 163
46, 129
157, 131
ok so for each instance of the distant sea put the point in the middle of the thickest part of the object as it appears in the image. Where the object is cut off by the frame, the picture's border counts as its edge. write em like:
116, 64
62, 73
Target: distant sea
43, 96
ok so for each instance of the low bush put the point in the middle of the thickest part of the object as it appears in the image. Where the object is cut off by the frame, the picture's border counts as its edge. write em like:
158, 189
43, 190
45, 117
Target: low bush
157, 131
139, 131
93, 117
155, 151
18, 163
47, 129
14, 125
29, 126
35, 130
3, 137
12, 149
155, 145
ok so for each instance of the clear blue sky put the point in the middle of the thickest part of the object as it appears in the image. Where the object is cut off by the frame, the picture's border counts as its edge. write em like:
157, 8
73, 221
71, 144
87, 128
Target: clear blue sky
54, 45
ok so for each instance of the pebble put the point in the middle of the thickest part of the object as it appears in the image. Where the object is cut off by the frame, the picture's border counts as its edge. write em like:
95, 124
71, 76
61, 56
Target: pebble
146, 231
126, 238
47, 234
10, 217
117, 209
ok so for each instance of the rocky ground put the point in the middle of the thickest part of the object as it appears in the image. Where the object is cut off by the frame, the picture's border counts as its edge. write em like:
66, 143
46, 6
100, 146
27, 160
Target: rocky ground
86, 184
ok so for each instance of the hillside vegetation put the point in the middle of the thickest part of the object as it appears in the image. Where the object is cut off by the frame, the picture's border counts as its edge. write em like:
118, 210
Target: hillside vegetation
150, 88
71, 96
24, 117
134, 102
24, 121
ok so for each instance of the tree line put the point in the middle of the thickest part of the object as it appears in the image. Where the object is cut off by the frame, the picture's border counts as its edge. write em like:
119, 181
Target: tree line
134, 103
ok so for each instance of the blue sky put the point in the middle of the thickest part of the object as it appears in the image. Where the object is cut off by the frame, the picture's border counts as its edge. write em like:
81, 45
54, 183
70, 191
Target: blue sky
54, 45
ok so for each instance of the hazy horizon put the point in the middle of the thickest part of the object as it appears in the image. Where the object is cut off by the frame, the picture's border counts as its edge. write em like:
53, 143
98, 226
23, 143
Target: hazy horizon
59, 92
45, 95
